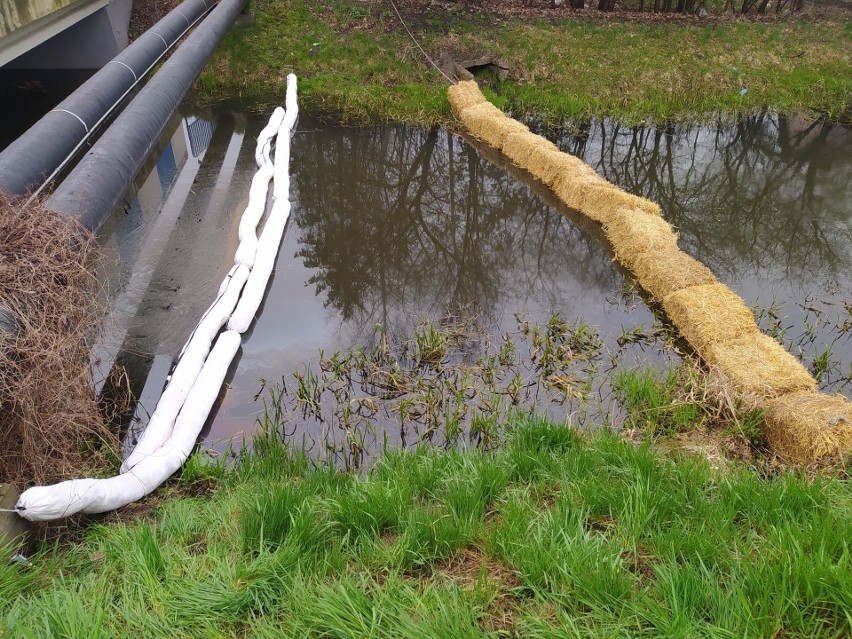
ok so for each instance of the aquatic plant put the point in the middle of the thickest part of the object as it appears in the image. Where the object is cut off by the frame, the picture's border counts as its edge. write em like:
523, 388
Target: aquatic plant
447, 383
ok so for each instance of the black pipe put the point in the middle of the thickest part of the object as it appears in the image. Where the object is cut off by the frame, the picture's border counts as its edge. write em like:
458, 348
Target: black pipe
31, 159
96, 185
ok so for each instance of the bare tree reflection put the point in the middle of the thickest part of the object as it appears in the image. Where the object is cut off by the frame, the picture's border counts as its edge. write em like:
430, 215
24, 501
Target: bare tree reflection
764, 197
400, 222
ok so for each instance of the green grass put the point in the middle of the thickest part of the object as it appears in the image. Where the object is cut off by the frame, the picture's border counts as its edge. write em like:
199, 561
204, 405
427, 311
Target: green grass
659, 404
555, 534
356, 63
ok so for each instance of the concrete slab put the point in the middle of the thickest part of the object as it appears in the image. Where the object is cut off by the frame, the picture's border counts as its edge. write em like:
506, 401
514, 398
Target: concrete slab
11, 525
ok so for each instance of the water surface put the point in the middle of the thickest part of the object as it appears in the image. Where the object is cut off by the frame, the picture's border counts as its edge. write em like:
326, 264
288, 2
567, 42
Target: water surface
394, 224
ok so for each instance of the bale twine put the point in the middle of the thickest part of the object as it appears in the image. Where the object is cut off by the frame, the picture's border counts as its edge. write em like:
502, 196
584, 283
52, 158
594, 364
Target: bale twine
757, 365
665, 270
710, 314
488, 123
633, 232
809, 427
463, 95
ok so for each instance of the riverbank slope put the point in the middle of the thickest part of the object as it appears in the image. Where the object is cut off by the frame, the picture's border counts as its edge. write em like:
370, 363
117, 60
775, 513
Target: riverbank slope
356, 63
554, 534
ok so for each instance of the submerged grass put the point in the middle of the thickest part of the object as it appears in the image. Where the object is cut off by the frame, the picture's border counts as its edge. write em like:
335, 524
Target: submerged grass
357, 63
555, 534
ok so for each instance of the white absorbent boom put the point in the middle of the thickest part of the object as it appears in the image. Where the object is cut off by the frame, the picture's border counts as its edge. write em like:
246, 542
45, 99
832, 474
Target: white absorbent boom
204, 361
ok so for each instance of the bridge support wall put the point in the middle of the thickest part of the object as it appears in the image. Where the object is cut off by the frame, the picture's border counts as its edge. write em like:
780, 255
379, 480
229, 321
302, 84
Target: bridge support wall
85, 34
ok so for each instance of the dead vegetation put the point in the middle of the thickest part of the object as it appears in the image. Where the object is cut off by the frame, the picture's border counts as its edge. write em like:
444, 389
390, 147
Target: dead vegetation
50, 424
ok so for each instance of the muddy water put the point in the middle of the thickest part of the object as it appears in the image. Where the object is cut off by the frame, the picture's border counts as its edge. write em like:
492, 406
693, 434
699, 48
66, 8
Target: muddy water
394, 224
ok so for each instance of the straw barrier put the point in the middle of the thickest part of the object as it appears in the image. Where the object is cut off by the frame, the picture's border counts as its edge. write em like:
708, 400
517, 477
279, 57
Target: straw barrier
809, 426
802, 425
710, 314
633, 233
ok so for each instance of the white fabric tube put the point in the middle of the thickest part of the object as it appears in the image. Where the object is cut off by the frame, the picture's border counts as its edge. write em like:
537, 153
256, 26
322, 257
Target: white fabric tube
281, 183
195, 383
291, 103
264, 140
159, 428
281, 180
246, 252
254, 211
41, 503
222, 288
257, 201
267, 251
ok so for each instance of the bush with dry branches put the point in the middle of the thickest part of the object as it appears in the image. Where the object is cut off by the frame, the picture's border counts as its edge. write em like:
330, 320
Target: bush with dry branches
50, 423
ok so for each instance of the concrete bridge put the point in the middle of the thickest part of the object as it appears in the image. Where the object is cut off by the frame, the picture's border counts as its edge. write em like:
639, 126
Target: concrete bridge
62, 34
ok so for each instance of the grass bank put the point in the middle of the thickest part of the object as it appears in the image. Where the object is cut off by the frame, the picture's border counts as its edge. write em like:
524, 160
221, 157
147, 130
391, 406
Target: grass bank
355, 62
554, 534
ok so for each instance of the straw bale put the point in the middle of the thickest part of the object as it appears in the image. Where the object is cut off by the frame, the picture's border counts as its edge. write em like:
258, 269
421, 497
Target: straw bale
602, 201
709, 314
568, 185
666, 270
550, 164
589, 195
490, 124
632, 232
598, 198
471, 115
463, 95
758, 365
652, 208
809, 427
519, 146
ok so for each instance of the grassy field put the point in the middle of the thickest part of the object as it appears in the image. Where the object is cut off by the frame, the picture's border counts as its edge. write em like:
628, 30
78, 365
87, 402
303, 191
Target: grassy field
356, 63
554, 534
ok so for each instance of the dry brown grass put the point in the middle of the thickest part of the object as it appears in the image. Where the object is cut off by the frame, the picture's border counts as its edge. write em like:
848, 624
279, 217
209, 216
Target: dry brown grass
710, 314
757, 365
663, 271
809, 427
50, 423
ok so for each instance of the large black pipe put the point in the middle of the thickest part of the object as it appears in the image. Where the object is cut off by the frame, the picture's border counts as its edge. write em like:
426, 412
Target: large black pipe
99, 181
31, 159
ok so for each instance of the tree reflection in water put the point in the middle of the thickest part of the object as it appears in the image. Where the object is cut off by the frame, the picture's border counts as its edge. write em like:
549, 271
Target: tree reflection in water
400, 222
763, 199
395, 224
